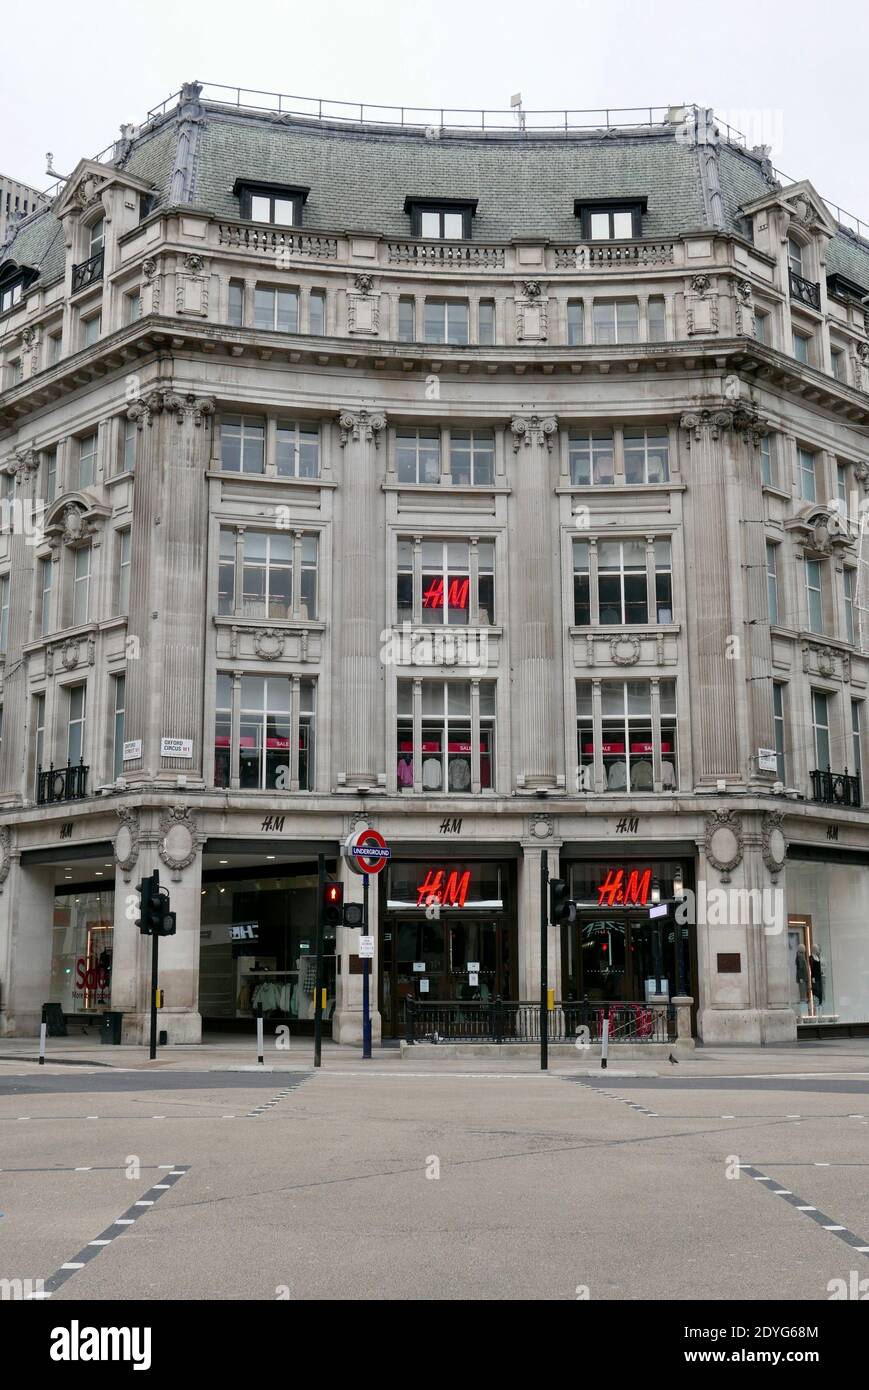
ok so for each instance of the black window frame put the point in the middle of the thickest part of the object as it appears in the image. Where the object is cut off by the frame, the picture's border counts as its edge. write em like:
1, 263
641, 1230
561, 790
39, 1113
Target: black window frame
14, 277
248, 189
415, 207
584, 207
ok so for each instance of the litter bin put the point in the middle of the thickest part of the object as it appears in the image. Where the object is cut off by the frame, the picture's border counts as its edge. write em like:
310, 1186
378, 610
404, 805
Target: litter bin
110, 1027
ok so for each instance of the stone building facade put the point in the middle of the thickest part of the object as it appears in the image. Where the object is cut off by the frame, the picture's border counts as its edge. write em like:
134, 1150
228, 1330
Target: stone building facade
501, 492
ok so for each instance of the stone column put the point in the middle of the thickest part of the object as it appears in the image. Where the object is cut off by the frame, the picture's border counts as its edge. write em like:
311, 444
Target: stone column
529, 912
535, 581
24, 521
362, 585
26, 923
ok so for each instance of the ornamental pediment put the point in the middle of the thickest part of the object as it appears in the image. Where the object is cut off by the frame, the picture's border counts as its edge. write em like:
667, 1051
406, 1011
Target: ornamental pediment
87, 183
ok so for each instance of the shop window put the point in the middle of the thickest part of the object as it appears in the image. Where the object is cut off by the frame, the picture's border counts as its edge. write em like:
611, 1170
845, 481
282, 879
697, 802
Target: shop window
806, 464
298, 450
418, 456
472, 458
242, 444
81, 952
626, 735
276, 310
591, 458
446, 576
821, 729
268, 759
616, 321
446, 321
450, 726
647, 456
828, 905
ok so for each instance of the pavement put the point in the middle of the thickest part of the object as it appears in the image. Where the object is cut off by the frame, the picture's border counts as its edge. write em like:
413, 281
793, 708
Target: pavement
740, 1173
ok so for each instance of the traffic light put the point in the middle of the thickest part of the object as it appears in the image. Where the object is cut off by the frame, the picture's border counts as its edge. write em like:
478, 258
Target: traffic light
154, 914
333, 904
352, 914
562, 912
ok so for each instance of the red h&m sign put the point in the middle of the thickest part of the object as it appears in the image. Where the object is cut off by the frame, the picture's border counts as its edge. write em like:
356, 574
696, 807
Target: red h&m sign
457, 594
450, 890
625, 890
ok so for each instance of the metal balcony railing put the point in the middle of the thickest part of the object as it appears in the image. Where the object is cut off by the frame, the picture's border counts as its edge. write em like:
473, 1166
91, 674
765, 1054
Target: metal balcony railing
88, 272
806, 291
835, 788
61, 783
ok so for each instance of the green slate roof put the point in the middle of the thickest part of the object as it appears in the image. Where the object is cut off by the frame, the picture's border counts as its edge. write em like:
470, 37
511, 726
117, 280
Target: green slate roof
359, 179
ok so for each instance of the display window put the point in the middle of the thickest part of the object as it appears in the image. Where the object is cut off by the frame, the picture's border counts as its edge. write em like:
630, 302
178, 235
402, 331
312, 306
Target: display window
828, 961
81, 954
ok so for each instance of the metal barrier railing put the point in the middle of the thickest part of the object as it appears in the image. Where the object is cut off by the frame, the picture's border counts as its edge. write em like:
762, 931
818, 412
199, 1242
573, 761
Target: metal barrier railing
518, 1021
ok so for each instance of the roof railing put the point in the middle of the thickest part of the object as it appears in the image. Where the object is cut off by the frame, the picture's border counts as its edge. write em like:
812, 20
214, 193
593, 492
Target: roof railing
434, 119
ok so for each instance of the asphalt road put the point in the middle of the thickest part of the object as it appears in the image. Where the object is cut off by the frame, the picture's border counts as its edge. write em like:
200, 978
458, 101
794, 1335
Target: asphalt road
448, 1183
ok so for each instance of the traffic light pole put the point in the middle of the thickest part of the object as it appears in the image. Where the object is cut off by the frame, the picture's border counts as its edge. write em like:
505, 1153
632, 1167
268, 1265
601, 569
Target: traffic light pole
155, 944
366, 977
318, 1000
544, 963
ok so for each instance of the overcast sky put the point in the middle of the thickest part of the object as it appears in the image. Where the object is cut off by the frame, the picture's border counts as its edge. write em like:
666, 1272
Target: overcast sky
789, 74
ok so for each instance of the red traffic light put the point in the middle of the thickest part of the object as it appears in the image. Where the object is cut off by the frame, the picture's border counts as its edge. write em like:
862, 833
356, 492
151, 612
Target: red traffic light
333, 904
334, 894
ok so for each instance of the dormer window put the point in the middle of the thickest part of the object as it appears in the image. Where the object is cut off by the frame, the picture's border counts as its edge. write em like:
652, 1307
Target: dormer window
10, 295
611, 220
445, 219
279, 204
14, 280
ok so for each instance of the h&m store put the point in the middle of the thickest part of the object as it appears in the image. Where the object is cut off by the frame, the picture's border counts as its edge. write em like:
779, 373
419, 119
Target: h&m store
456, 916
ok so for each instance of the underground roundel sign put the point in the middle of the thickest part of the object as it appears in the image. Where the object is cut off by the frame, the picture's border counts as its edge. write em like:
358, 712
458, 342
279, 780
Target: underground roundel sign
366, 851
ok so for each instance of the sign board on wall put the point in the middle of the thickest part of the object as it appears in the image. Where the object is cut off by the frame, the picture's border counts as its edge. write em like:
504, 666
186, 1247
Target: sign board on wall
176, 748
132, 749
767, 760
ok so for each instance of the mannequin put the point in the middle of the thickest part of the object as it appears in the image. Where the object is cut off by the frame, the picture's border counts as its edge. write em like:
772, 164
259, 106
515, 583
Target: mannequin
817, 971
802, 973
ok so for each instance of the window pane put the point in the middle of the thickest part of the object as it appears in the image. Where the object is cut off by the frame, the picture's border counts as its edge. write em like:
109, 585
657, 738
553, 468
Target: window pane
260, 209
284, 210
487, 322
430, 224
454, 225
623, 225
599, 226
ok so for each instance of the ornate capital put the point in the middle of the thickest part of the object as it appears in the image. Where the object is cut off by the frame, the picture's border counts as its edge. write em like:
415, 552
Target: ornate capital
361, 424
533, 429
145, 408
188, 406
742, 418
26, 461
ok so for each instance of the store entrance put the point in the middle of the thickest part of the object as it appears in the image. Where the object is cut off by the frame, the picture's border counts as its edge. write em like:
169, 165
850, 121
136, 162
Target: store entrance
440, 960
622, 957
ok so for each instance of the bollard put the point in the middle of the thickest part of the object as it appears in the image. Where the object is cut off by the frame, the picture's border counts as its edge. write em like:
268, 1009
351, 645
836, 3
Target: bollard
259, 1035
43, 1029
604, 1042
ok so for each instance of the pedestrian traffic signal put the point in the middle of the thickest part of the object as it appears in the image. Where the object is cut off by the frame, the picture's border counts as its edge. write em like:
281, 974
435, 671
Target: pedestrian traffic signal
562, 912
333, 904
352, 914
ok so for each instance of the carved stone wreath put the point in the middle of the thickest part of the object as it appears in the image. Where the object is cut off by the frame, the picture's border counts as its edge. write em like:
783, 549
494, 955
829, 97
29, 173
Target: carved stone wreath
5, 855
127, 840
268, 643
541, 827
178, 837
774, 846
625, 651
723, 842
